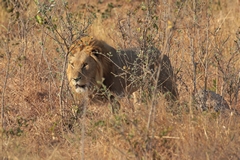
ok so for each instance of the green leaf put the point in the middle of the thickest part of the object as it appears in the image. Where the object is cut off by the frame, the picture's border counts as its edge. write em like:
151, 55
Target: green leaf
39, 19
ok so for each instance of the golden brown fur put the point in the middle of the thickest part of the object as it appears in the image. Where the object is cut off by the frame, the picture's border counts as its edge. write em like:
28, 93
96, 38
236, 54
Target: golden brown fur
95, 66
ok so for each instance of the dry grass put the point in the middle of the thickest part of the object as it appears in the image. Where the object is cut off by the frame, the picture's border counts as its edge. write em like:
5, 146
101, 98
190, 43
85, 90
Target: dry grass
37, 119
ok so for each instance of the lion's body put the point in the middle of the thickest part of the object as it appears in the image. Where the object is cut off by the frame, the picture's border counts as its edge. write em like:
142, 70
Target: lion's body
94, 64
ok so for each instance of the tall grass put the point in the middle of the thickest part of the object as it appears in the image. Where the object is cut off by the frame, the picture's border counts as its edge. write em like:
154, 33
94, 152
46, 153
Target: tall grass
202, 39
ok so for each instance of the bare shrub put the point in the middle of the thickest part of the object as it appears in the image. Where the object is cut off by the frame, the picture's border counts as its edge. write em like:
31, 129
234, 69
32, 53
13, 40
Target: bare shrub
201, 39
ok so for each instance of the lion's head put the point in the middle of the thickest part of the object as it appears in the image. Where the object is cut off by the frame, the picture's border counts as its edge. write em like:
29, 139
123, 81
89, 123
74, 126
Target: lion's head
87, 62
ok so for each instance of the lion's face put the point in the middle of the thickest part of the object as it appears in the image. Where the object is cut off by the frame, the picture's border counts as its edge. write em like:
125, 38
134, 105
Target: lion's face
84, 71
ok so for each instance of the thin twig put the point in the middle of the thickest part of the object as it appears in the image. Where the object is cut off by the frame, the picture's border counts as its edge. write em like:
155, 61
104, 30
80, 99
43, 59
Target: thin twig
8, 55
206, 60
85, 104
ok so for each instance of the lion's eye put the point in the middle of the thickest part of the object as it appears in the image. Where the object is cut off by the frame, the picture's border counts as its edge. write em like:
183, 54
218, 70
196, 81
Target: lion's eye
71, 64
94, 51
84, 65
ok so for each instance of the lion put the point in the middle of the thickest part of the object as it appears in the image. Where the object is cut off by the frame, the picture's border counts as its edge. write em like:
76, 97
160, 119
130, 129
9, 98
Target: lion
94, 68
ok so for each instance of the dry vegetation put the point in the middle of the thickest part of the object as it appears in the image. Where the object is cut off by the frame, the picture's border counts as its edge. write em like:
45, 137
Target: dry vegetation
201, 37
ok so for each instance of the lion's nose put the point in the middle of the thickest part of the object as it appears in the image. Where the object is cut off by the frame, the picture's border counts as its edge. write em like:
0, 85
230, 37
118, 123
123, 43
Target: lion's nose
77, 79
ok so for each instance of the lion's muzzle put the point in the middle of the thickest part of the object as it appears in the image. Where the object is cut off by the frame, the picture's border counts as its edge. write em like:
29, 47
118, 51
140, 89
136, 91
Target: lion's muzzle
80, 87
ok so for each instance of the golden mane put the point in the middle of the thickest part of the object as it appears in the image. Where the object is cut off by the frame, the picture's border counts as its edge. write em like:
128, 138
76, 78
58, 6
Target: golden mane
91, 43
